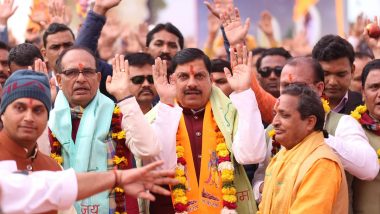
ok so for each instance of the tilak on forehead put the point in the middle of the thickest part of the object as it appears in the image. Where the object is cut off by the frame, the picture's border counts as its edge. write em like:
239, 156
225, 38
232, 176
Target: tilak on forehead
290, 78
191, 69
80, 65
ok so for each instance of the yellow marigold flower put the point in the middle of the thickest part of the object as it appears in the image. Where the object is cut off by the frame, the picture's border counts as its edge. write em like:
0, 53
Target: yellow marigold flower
181, 179
223, 153
57, 158
178, 193
182, 200
116, 110
55, 143
228, 190
227, 175
180, 149
271, 133
378, 155
179, 172
118, 189
361, 109
117, 160
230, 198
356, 115
221, 146
180, 154
326, 105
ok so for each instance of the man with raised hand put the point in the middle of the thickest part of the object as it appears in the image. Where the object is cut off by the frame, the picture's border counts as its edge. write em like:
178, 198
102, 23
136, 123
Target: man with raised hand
206, 137
88, 132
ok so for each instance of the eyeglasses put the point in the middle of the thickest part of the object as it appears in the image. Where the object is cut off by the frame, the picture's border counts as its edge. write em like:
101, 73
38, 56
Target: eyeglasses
266, 71
141, 78
74, 72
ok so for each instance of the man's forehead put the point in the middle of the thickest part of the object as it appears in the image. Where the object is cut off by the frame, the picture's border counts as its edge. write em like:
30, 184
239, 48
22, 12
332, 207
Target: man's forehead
78, 57
165, 35
28, 101
60, 37
194, 67
4, 54
373, 77
301, 73
145, 69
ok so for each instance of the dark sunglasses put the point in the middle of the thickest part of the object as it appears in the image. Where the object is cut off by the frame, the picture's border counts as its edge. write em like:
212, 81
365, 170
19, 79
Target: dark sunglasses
141, 78
266, 71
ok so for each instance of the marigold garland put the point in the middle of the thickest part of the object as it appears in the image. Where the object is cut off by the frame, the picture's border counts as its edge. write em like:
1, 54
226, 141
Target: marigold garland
357, 113
120, 161
225, 167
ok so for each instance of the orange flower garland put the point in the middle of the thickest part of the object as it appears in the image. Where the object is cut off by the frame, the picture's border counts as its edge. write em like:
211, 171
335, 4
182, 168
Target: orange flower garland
120, 160
226, 172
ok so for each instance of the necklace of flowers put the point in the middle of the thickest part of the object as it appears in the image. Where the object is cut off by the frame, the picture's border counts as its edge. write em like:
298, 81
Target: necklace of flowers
357, 114
119, 160
276, 146
225, 167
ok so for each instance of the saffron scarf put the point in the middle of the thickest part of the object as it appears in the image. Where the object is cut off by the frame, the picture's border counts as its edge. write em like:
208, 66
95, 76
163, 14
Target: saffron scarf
205, 196
89, 152
282, 173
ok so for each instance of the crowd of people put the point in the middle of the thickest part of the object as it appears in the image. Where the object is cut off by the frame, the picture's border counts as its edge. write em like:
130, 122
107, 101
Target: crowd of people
159, 127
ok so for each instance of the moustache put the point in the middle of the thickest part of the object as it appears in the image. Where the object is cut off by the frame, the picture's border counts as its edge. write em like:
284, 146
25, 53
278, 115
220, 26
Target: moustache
146, 90
165, 56
192, 91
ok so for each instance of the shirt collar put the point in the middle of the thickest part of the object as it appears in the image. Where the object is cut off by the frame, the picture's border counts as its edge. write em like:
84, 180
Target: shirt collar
342, 103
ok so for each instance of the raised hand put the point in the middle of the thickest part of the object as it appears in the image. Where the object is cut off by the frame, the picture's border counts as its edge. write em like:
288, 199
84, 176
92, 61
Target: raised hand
40, 66
241, 64
235, 31
265, 23
166, 90
102, 6
117, 85
141, 182
57, 12
218, 6
6, 11
373, 43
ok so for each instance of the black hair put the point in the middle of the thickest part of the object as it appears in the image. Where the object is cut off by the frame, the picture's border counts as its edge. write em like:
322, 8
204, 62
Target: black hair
187, 55
139, 59
58, 64
55, 28
24, 54
332, 47
372, 65
273, 52
257, 51
308, 103
169, 27
218, 65
319, 75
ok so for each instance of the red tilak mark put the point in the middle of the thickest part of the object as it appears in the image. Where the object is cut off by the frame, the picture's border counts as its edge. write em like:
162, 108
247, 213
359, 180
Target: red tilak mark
290, 77
80, 65
30, 102
191, 70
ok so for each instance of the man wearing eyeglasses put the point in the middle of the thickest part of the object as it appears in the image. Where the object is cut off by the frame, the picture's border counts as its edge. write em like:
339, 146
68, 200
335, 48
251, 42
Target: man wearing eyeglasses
141, 79
88, 132
269, 67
